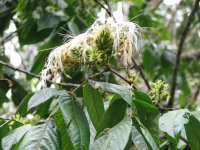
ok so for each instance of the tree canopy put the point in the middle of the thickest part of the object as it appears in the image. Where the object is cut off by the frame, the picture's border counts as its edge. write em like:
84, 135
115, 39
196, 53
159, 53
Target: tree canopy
99, 74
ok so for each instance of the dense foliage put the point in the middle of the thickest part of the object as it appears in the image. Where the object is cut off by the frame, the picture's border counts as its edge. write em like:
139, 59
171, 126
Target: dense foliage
102, 103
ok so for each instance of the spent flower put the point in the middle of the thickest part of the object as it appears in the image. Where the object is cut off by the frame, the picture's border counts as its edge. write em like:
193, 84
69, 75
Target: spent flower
104, 39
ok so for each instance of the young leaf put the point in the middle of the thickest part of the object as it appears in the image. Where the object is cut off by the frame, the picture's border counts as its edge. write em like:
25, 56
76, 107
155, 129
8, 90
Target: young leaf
192, 132
116, 138
41, 136
113, 115
172, 122
94, 104
43, 96
113, 88
76, 121
14, 136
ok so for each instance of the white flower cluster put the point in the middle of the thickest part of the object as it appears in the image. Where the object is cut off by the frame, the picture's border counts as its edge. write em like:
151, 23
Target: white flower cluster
105, 38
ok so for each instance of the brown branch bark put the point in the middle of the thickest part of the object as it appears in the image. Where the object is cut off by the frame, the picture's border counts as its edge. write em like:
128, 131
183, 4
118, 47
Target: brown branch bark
180, 49
153, 5
90, 77
142, 74
37, 76
108, 10
120, 76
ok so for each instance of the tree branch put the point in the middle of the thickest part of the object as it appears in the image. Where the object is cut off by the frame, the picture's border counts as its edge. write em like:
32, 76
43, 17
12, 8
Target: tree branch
37, 76
180, 49
90, 77
108, 10
142, 74
120, 76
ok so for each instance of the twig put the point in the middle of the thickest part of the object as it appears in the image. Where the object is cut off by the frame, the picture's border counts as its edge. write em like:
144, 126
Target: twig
120, 76
197, 92
153, 5
180, 49
108, 10
37, 76
90, 77
142, 74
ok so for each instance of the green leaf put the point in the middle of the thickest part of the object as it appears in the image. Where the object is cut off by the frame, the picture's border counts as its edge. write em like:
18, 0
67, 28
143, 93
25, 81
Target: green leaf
192, 132
196, 114
94, 103
78, 128
39, 61
143, 136
14, 136
113, 88
4, 129
3, 97
22, 109
142, 96
113, 115
18, 90
62, 128
44, 95
138, 139
41, 136
31, 35
73, 27
47, 21
148, 56
148, 115
172, 122
116, 138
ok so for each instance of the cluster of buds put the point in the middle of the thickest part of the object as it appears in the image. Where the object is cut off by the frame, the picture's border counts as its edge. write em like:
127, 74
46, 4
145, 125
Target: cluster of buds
159, 92
105, 38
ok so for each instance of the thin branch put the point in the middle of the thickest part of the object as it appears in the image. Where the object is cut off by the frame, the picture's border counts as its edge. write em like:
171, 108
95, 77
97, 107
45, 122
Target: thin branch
120, 76
108, 10
179, 52
196, 94
142, 74
90, 77
153, 5
37, 76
